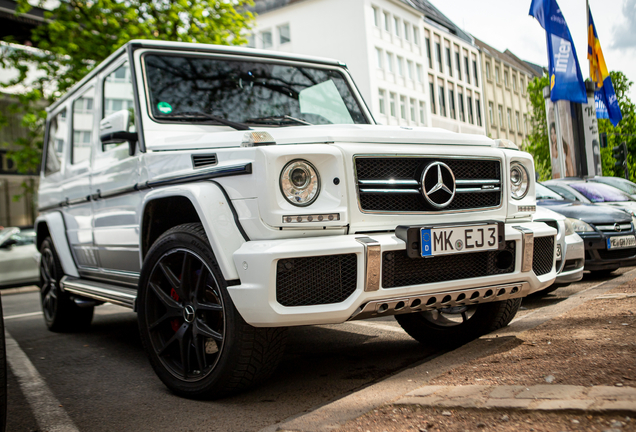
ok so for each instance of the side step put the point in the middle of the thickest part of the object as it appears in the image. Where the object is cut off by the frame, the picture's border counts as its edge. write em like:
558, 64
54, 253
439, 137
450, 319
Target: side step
118, 295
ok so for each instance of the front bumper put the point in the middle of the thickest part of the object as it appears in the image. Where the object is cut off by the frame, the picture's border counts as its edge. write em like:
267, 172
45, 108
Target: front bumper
258, 263
570, 267
597, 257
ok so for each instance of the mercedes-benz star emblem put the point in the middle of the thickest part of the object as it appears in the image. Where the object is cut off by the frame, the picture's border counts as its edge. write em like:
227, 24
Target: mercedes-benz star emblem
617, 227
188, 313
438, 184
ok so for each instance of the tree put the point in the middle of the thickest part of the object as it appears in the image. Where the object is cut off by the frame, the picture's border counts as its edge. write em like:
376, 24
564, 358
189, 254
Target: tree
624, 131
538, 146
537, 141
78, 35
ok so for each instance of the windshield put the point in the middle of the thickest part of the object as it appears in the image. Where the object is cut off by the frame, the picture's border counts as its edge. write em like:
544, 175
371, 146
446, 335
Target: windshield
248, 92
545, 193
599, 192
624, 185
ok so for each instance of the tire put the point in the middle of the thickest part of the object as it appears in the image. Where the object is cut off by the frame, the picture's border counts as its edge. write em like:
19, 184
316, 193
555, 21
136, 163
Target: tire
451, 327
61, 314
197, 342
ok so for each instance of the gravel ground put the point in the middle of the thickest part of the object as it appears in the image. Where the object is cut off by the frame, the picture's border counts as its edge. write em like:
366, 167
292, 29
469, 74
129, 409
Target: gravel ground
594, 344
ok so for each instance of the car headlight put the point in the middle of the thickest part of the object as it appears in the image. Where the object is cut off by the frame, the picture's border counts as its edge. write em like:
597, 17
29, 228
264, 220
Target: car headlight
569, 227
519, 181
300, 183
580, 226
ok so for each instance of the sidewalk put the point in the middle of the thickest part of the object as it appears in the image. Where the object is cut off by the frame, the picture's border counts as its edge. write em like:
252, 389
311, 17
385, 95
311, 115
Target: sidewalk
567, 366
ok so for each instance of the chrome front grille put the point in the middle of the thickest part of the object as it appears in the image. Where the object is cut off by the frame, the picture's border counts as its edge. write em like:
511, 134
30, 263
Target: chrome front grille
394, 184
619, 227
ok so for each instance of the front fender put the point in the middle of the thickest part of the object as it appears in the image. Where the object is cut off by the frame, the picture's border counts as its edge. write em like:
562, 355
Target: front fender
54, 222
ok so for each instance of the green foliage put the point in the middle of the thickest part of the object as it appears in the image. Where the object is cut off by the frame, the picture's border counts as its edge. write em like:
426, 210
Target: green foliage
537, 141
79, 35
624, 131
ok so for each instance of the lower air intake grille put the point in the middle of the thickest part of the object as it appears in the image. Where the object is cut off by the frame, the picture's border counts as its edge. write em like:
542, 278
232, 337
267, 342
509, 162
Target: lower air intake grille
316, 280
399, 270
543, 255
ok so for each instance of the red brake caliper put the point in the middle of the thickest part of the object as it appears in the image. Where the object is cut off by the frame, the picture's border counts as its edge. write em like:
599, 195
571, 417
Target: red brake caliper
175, 322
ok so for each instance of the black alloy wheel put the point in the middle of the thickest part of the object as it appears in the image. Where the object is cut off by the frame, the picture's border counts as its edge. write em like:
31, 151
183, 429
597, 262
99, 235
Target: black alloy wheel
185, 315
196, 341
61, 314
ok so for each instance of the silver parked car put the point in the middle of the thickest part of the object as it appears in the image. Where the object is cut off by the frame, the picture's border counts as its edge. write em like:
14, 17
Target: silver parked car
19, 258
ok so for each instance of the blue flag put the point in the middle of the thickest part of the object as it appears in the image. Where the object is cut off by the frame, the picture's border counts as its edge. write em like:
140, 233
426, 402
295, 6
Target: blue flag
566, 81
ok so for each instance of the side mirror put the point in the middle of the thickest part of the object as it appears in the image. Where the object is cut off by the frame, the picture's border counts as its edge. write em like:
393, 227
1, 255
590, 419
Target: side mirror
114, 129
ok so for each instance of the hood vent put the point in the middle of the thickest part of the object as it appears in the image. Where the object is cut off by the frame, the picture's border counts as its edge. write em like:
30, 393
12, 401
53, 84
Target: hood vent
200, 161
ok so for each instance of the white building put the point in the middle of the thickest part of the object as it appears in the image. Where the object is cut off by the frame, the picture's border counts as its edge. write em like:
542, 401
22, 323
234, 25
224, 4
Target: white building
413, 66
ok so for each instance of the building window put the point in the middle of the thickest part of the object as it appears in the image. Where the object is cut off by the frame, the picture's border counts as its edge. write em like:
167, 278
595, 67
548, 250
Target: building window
266, 38
432, 94
421, 112
475, 73
387, 21
251, 40
517, 121
467, 69
460, 106
419, 73
400, 65
403, 107
500, 112
478, 111
416, 36
284, 35
392, 104
409, 69
381, 101
509, 117
491, 114
389, 62
469, 105
523, 85
428, 53
378, 53
449, 65
396, 26
407, 31
514, 82
438, 56
413, 108
442, 101
376, 16
451, 103
506, 80
525, 124
497, 78
458, 66
487, 71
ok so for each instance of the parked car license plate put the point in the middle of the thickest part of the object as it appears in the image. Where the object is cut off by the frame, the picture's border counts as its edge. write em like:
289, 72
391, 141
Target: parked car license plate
621, 242
458, 239
558, 252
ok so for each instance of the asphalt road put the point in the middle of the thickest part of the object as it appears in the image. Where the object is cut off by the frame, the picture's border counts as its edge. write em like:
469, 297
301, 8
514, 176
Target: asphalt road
102, 380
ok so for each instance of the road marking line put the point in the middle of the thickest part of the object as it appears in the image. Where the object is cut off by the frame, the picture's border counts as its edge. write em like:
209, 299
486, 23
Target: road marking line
45, 407
24, 315
378, 326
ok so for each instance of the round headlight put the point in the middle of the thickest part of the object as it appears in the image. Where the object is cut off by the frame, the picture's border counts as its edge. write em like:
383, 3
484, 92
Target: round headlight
519, 183
300, 183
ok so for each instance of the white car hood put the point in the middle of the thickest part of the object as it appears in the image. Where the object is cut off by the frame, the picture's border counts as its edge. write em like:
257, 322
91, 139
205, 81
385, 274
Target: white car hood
195, 136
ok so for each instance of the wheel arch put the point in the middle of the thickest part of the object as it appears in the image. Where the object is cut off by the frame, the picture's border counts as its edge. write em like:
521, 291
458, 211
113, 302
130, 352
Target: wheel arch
52, 225
202, 202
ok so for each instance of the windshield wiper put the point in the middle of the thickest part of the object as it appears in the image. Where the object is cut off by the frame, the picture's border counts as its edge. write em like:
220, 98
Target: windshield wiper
190, 115
280, 119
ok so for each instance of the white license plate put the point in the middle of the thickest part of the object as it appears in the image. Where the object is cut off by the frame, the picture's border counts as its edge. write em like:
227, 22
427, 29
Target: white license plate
459, 239
558, 252
621, 242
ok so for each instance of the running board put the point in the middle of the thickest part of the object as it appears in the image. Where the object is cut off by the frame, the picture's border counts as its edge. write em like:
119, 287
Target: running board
118, 295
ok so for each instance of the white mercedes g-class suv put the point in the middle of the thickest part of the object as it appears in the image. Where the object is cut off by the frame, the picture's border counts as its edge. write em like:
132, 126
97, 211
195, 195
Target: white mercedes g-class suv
227, 193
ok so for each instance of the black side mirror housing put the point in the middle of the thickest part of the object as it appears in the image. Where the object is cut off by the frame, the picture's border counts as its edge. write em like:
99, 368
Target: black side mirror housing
120, 136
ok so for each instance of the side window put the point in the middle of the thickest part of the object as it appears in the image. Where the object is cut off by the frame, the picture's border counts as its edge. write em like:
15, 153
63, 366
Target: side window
118, 96
83, 115
58, 134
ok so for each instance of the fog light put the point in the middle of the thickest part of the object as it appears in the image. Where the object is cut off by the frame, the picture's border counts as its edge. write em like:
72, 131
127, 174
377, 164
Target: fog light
311, 218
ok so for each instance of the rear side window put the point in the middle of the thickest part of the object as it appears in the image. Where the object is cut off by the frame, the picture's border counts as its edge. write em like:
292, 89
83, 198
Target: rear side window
58, 134
83, 115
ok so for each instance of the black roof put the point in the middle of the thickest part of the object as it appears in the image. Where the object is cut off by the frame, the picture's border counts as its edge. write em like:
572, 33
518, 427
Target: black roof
430, 12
